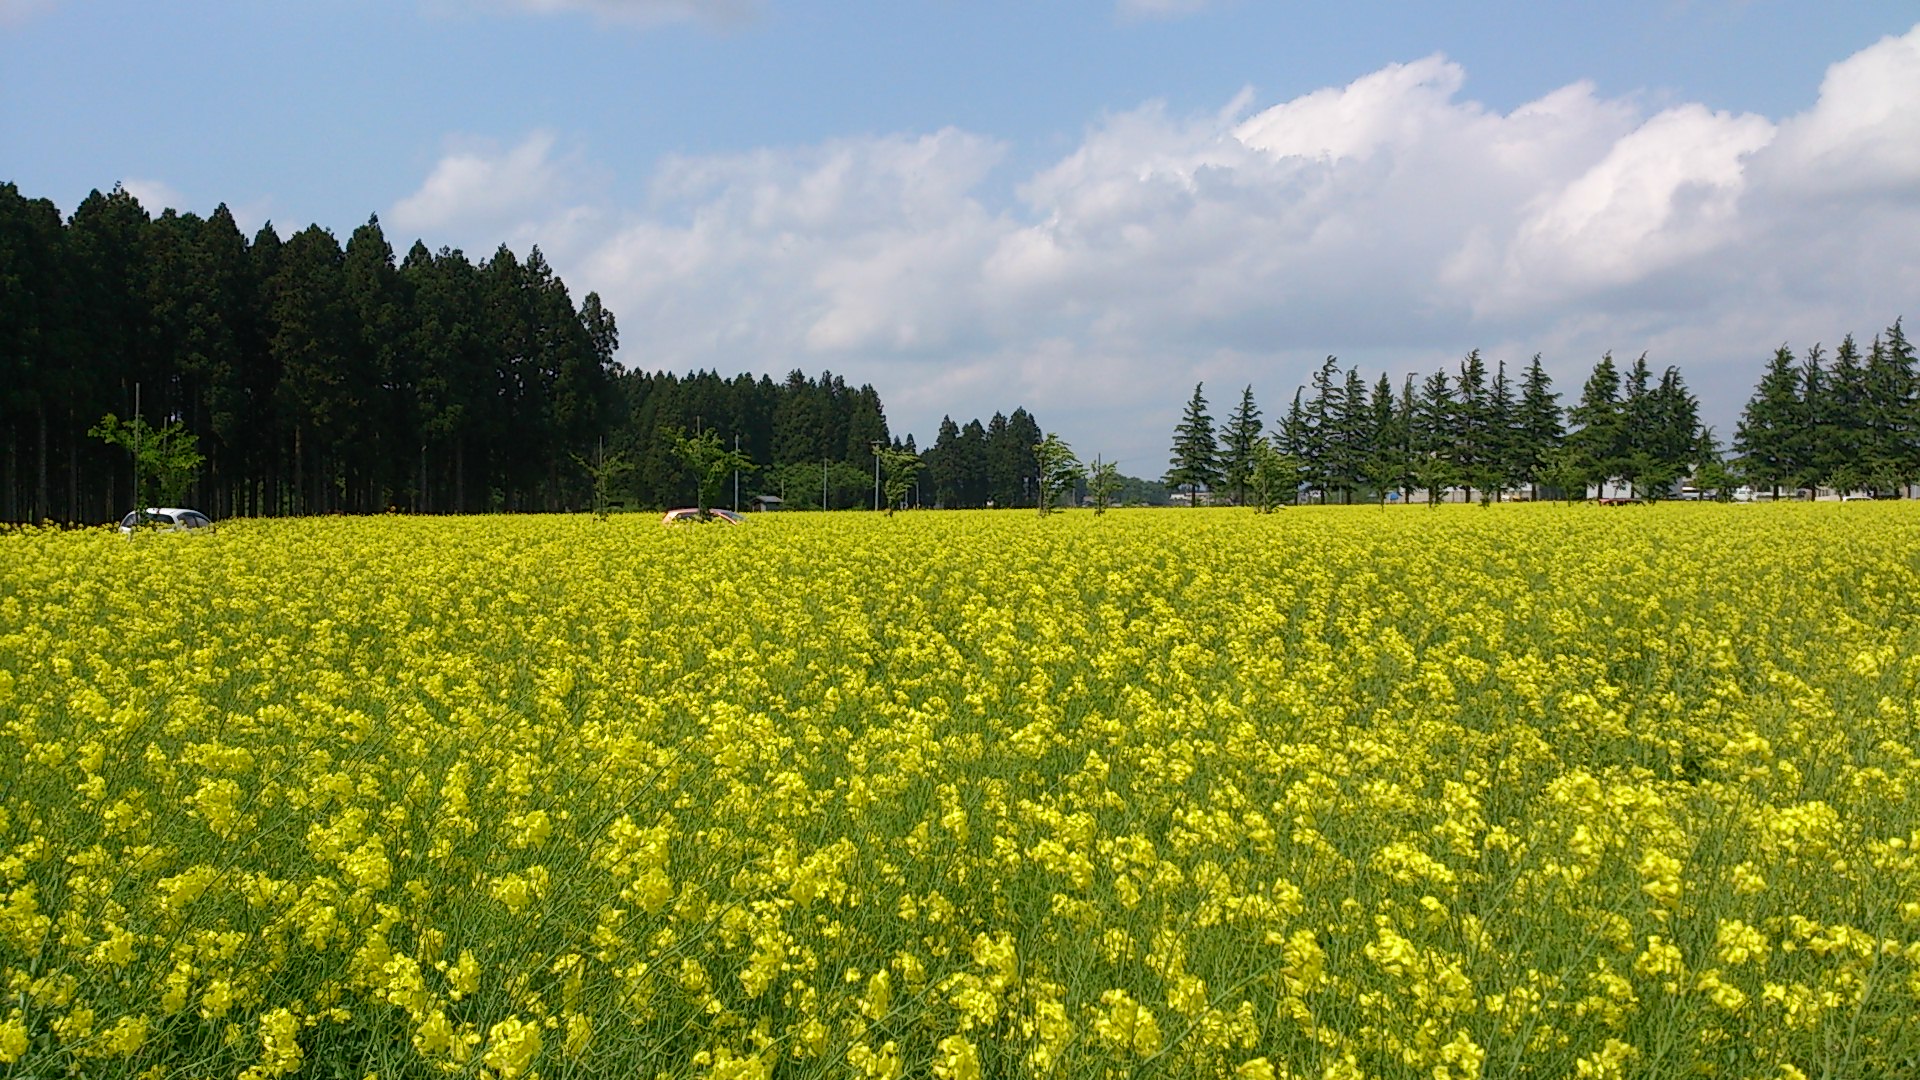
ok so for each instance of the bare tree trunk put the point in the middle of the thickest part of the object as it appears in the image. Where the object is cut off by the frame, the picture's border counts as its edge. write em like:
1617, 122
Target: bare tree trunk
40, 496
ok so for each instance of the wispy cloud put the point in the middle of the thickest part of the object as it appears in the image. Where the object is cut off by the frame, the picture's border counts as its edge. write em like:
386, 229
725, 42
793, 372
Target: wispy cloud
155, 195
1133, 10
631, 12
17, 12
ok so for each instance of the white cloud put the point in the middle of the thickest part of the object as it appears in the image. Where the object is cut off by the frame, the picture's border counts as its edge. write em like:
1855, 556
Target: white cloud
639, 12
155, 195
1162, 9
480, 191
1864, 133
1390, 221
17, 12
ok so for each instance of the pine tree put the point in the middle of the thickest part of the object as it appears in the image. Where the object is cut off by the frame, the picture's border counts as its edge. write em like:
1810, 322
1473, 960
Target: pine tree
1502, 440
1596, 444
1674, 443
1538, 428
1195, 455
1384, 460
1806, 443
1351, 442
1471, 458
1895, 408
1769, 423
1320, 456
1242, 435
1844, 440
972, 473
1406, 422
1639, 459
1434, 427
1295, 443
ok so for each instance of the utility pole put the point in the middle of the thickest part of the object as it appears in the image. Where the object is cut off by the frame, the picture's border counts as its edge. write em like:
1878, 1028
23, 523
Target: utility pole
875, 445
136, 448
736, 473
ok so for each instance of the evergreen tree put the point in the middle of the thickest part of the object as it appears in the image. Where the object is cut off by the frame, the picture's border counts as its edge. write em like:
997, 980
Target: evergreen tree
1538, 430
1893, 406
1471, 455
1320, 456
1295, 442
1023, 432
1406, 423
1433, 428
1502, 440
1672, 443
1807, 442
1242, 435
1195, 456
1843, 440
1639, 457
943, 465
1385, 458
1769, 424
972, 471
1596, 443
1350, 444
37, 333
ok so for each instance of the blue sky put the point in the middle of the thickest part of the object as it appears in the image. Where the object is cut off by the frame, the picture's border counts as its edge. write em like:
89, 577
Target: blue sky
1080, 207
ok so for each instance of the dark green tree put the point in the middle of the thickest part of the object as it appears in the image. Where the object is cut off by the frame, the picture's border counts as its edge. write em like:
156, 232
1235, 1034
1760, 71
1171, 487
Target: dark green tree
1195, 456
1384, 462
1470, 452
1537, 428
1241, 436
1434, 459
1762, 443
1596, 443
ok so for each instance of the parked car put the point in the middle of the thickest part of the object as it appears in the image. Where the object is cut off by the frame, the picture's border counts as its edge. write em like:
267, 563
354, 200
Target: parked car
691, 513
165, 519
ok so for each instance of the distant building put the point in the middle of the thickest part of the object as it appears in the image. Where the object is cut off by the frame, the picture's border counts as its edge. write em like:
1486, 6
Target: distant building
768, 502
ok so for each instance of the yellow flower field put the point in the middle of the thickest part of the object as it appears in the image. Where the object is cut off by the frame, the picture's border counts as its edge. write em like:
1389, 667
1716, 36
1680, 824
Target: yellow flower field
1533, 791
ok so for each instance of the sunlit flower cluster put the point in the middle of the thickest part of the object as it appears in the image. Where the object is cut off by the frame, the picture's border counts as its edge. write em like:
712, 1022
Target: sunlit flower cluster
1336, 793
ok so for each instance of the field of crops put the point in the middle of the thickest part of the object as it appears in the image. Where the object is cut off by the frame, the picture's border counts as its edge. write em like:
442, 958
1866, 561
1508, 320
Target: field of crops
1338, 792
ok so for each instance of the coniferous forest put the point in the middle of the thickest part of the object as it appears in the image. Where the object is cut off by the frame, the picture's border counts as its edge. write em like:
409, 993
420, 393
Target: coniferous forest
321, 377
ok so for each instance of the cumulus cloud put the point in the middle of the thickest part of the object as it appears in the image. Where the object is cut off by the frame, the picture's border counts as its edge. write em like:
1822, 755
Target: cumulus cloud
1863, 136
1392, 221
479, 189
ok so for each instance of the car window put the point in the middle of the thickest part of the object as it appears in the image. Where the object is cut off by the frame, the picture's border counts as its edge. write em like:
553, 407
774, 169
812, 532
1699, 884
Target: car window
193, 521
130, 521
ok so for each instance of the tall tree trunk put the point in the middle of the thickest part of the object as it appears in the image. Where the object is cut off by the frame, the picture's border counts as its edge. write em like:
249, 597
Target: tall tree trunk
299, 466
41, 499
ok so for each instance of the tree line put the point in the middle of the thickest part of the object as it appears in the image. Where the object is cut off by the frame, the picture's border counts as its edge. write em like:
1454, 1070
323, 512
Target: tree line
316, 377
1851, 424
301, 375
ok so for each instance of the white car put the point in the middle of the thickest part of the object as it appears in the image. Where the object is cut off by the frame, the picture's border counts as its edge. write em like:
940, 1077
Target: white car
165, 519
